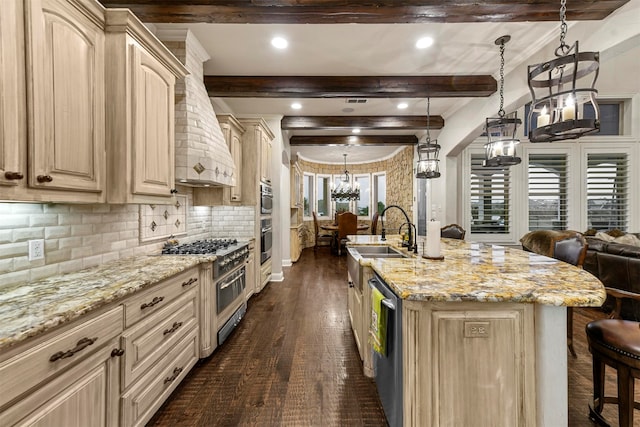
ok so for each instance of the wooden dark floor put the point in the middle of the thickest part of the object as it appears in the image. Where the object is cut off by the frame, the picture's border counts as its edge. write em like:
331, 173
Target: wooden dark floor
293, 361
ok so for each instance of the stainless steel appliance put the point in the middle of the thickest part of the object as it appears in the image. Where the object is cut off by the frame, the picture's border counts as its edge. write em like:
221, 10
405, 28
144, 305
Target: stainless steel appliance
266, 199
266, 236
228, 278
388, 368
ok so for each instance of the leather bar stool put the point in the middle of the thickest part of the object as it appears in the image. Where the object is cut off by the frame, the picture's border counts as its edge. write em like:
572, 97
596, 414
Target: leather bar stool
615, 343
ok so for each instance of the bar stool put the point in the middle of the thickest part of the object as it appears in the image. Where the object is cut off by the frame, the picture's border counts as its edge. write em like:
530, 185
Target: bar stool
615, 343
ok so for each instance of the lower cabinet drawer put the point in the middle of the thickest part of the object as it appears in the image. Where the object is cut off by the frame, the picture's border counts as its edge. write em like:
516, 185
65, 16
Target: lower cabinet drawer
140, 402
55, 354
149, 339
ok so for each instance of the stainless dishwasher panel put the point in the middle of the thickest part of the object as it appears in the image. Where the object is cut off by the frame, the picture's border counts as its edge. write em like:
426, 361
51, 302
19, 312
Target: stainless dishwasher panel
388, 369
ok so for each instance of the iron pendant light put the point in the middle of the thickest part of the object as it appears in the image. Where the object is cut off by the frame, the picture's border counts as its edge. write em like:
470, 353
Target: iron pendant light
428, 163
563, 92
344, 192
501, 130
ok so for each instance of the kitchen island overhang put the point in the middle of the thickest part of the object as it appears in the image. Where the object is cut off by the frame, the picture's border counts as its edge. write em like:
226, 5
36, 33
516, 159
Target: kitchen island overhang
515, 372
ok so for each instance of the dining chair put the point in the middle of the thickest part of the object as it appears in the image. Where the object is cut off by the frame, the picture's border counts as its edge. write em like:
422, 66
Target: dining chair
374, 223
347, 225
453, 231
571, 249
318, 235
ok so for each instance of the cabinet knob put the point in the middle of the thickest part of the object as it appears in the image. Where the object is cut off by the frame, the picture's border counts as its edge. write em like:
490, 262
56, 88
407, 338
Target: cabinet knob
173, 191
13, 175
44, 178
117, 352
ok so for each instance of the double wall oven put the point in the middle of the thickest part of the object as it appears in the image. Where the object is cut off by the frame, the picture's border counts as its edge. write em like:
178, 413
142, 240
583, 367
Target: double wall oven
266, 229
226, 286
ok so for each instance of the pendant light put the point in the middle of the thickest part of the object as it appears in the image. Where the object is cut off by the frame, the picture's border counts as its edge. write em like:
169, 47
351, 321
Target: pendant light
428, 163
344, 192
500, 150
563, 92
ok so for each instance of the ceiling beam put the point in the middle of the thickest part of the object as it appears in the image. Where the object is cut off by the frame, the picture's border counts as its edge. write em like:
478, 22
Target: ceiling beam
369, 12
350, 86
307, 123
371, 140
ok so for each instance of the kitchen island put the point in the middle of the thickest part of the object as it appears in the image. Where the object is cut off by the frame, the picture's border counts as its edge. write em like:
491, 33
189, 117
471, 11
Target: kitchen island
483, 332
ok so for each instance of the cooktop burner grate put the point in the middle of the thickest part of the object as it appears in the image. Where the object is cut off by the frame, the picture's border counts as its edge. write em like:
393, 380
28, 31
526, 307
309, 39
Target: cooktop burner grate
207, 246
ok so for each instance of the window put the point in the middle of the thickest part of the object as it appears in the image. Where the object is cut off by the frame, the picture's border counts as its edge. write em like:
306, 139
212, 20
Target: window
607, 191
489, 193
363, 205
547, 191
379, 191
307, 191
323, 183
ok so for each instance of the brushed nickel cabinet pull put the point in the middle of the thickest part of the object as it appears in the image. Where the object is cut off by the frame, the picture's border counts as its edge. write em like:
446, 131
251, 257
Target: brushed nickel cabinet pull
154, 301
175, 327
13, 175
189, 282
44, 178
176, 372
117, 352
81, 345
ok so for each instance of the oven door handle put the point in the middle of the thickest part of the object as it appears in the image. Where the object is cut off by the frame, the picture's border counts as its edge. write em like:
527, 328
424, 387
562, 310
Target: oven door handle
264, 230
227, 284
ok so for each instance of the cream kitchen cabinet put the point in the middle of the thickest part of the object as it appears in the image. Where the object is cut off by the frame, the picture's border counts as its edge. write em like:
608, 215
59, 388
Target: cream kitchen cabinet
256, 139
141, 74
265, 275
69, 377
266, 156
250, 272
296, 186
295, 235
54, 106
233, 132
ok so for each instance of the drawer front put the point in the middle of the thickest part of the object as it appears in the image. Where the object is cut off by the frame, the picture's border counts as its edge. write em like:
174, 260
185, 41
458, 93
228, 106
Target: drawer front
140, 403
142, 305
150, 339
36, 364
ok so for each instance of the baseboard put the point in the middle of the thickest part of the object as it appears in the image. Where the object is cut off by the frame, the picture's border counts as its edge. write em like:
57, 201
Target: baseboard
277, 277
287, 263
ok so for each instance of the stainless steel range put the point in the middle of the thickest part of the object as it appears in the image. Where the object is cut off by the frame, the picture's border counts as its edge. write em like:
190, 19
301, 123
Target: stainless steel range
228, 278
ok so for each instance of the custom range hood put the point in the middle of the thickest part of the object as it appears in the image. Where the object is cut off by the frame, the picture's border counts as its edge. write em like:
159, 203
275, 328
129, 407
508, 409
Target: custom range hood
202, 155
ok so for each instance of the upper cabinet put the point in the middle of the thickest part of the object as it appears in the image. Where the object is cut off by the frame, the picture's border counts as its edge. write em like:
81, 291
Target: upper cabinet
140, 133
256, 160
54, 94
296, 185
266, 155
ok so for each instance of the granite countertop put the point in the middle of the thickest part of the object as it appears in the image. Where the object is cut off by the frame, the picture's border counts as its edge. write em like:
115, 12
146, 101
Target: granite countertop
485, 273
32, 308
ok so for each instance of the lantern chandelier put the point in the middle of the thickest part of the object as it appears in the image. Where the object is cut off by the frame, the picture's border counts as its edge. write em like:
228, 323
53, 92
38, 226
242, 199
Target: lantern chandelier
428, 163
500, 150
564, 102
344, 192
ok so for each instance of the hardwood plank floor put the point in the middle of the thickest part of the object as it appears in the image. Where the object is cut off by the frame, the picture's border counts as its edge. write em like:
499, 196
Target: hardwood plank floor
292, 361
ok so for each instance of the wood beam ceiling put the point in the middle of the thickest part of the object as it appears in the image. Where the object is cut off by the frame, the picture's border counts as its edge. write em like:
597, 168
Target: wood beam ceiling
350, 86
309, 123
370, 140
369, 12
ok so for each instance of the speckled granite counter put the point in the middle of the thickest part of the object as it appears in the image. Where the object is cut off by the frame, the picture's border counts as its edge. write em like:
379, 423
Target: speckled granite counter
29, 309
485, 273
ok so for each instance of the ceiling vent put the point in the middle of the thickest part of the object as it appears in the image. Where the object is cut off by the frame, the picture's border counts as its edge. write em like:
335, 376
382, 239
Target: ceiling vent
356, 101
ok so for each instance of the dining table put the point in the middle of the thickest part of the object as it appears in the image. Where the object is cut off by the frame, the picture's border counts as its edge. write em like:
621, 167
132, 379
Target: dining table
334, 227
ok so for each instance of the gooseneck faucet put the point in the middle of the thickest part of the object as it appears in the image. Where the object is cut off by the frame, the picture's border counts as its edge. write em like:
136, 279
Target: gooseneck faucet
412, 243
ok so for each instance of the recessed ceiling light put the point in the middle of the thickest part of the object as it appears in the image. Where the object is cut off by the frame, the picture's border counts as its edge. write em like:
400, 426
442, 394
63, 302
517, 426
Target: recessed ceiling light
355, 130
402, 106
279, 42
353, 139
424, 42
296, 106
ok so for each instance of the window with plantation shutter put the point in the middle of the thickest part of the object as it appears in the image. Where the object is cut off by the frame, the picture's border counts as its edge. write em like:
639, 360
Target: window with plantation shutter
489, 191
607, 191
548, 182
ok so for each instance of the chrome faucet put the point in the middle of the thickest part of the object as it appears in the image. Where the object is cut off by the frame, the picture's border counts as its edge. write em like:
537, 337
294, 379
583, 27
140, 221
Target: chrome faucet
412, 242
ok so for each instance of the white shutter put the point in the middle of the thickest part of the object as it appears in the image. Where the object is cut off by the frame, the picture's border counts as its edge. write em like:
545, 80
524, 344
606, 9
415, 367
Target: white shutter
489, 191
548, 185
607, 191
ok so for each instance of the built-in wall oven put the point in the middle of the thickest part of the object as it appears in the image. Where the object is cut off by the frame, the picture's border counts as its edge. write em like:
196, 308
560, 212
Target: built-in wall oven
266, 199
266, 236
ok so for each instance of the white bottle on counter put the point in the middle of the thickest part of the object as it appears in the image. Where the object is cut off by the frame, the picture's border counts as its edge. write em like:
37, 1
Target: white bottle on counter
433, 239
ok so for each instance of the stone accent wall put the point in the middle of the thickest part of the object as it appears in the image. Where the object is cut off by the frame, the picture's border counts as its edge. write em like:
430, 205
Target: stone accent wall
201, 151
79, 236
399, 171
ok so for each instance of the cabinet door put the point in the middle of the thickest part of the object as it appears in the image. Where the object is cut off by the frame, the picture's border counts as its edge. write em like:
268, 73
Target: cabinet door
265, 156
85, 395
235, 146
250, 273
153, 111
12, 121
65, 84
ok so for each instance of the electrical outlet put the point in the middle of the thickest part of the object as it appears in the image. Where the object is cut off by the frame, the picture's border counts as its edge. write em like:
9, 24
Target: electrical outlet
36, 249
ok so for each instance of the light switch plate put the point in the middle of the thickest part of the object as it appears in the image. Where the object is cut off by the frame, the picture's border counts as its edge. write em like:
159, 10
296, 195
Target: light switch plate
36, 249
